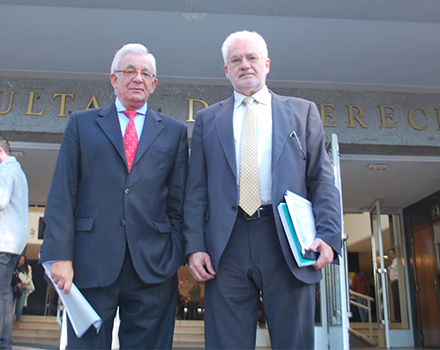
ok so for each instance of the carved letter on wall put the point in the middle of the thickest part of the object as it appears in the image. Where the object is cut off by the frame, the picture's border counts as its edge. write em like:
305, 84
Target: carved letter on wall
383, 117
324, 114
30, 105
352, 118
438, 117
10, 103
411, 118
63, 103
191, 108
93, 102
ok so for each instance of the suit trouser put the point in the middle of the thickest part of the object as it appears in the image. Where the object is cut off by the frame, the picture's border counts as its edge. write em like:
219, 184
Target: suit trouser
396, 300
7, 266
193, 310
146, 312
253, 262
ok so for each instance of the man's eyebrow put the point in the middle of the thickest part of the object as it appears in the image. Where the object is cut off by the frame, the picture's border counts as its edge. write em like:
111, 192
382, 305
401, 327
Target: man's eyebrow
131, 65
250, 53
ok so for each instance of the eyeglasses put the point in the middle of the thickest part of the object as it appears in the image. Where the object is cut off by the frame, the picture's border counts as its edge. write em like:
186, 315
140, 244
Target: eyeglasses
252, 58
131, 73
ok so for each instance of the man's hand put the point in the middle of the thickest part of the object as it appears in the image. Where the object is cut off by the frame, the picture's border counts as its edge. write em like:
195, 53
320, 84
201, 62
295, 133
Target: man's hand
200, 266
326, 254
61, 272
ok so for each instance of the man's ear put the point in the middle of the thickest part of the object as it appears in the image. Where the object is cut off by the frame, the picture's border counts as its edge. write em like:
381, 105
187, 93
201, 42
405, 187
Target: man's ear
2, 154
225, 67
113, 80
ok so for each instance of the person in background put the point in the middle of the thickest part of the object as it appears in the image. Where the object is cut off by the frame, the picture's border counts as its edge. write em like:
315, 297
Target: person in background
180, 307
114, 210
360, 284
393, 272
194, 299
246, 152
14, 205
24, 272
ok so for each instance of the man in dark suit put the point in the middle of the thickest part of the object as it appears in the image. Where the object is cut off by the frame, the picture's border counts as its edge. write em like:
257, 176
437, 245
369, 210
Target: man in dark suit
241, 251
114, 215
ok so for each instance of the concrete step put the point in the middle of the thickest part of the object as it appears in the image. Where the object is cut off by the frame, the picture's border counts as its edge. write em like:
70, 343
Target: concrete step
189, 335
189, 327
364, 329
44, 332
189, 338
38, 331
40, 326
363, 325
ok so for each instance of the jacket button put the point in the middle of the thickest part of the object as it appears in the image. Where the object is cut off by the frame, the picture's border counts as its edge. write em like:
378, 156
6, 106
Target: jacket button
234, 208
123, 222
127, 191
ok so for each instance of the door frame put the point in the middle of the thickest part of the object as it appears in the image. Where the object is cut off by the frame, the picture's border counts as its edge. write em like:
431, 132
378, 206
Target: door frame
380, 276
393, 337
335, 305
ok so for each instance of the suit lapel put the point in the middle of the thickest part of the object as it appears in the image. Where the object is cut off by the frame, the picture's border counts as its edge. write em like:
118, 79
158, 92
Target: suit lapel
152, 127
282, 115
109, 123
225, 132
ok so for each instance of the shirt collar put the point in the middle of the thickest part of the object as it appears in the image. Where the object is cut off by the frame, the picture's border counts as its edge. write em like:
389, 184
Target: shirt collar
10, 159
262, 96
121, 108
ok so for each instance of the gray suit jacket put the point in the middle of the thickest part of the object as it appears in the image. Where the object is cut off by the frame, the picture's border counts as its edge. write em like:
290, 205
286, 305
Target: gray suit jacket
211, 203
95, 207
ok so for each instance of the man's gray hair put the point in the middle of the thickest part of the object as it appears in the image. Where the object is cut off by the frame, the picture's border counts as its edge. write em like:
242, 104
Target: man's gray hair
132, 48
244, 34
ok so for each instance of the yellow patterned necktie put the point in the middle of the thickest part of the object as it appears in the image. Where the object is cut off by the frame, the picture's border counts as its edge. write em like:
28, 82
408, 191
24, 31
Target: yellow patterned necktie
249, 199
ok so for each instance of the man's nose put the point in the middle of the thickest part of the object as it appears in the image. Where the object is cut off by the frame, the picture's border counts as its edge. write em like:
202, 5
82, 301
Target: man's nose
138, 76
244, 64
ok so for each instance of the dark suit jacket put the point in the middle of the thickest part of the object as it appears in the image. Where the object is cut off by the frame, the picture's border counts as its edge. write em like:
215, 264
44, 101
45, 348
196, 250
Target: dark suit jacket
95, 207
212, 201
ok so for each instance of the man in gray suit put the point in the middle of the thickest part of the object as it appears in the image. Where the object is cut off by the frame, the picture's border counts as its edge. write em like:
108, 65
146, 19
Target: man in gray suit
114, 210
238, 249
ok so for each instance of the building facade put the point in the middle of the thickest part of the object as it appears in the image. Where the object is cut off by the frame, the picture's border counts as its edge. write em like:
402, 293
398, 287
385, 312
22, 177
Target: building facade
370, 68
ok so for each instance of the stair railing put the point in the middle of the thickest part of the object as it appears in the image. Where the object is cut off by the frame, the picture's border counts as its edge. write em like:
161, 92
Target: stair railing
366, 307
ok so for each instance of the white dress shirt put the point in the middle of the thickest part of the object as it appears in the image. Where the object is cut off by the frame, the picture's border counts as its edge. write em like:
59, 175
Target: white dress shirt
139, 119
393, 270
263, 104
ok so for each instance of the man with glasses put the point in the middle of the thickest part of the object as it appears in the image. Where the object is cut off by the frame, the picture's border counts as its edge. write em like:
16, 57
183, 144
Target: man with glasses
114, 210
246, 152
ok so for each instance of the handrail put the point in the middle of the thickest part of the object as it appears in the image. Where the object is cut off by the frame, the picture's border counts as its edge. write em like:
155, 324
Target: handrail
363, 296
366, 307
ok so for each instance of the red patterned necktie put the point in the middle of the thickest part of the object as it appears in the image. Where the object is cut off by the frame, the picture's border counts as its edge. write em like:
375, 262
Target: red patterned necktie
130, 138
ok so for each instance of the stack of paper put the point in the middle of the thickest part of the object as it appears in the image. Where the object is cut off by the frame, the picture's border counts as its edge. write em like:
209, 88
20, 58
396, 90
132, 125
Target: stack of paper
299, 225
80, 312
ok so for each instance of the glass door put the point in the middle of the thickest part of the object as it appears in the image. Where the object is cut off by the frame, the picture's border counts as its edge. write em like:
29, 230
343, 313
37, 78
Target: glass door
334, 286
394, 321
397, 274
380, 276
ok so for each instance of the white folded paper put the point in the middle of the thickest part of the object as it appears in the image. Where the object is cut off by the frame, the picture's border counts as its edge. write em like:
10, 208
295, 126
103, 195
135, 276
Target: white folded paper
80, 312
303, 220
